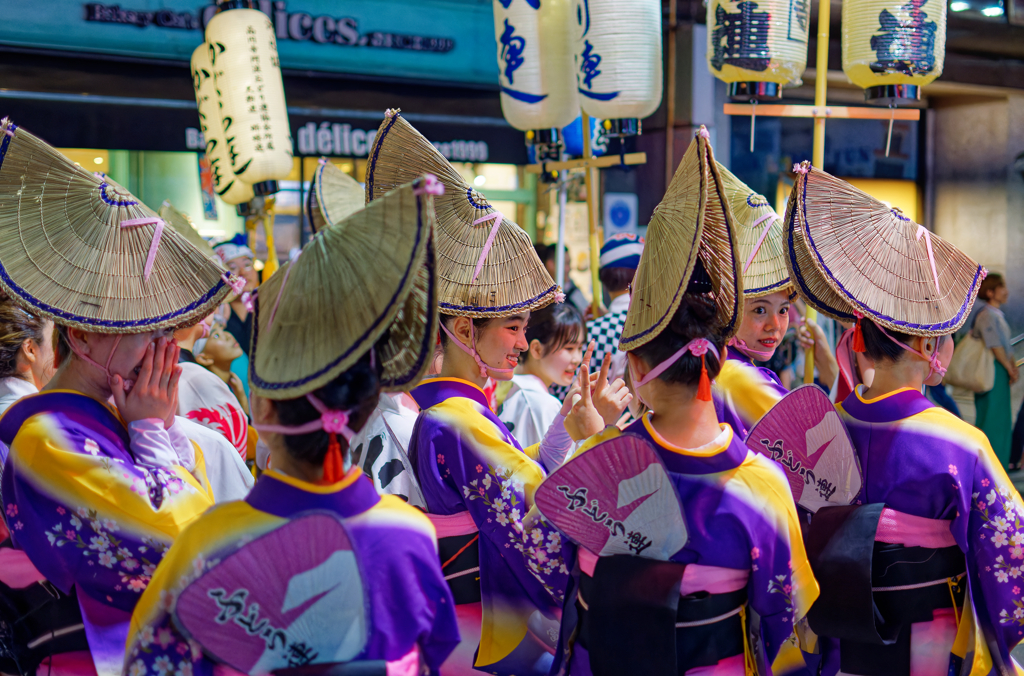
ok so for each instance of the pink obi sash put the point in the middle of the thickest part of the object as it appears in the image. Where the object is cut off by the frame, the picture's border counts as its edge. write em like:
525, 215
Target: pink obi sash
913, 531
460, 523
16, 571
696, 577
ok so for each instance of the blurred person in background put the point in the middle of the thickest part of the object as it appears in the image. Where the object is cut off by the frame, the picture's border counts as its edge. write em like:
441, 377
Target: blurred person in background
555, 336
620, 256
217, 352
547, 254
992, 408
26, 355
239, 259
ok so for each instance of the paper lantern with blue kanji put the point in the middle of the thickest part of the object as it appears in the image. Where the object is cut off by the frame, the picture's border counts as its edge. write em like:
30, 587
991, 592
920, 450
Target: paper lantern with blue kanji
535, 63
618, 60
757, 46
892, 48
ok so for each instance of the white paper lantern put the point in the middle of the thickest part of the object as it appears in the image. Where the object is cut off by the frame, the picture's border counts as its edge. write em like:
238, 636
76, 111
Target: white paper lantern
892, 48
618, 57
243, 54
535, 63
230, 188
757, 42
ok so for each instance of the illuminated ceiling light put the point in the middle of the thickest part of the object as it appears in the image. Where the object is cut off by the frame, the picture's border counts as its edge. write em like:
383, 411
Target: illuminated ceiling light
959, 6
98, 160
479, 180
992, 11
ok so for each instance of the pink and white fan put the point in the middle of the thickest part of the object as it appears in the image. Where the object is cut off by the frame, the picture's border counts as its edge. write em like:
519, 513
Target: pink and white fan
267, 605
616, 498
805, 436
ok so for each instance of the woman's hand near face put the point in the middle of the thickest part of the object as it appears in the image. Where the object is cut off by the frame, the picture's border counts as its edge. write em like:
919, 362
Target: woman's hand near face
155, 393
828, 367
610, 400
584, 420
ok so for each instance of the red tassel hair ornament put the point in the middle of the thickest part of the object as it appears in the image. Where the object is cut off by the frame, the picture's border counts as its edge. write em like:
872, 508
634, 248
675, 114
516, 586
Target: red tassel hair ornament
704, 388
857, 342
334, 464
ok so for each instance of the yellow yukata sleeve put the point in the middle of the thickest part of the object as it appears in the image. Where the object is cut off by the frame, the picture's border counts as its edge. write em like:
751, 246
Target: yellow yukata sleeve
747, 390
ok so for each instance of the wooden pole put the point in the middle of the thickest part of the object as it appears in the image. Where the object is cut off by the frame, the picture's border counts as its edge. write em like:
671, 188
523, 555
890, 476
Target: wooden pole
820, 97
593, 184
670, 96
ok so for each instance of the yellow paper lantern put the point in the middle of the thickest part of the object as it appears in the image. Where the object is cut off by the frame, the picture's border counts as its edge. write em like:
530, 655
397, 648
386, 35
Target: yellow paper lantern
243, 55
618, 61
757, 47
535, 63
891, 49
230, 188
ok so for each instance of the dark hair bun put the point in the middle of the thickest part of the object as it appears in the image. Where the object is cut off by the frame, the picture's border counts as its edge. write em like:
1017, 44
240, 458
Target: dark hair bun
356, 391
695, 318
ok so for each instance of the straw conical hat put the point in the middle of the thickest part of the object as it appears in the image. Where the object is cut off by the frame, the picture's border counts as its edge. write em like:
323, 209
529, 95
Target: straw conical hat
184, 227
333, 197
512, 279
66, 253
367, 277
756, 221
693, 221
849, 253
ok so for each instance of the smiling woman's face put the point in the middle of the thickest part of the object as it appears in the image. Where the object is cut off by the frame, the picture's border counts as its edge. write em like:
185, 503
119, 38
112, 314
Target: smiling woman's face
501, 341
765, 321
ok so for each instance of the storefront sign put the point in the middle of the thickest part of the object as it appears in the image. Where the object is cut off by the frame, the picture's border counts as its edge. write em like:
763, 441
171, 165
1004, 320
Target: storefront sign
101, 125
431, 39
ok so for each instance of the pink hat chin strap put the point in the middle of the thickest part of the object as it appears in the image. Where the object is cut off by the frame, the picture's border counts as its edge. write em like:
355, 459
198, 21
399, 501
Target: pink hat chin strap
741, 345
698, 346
934, 363
126, 384
471, 351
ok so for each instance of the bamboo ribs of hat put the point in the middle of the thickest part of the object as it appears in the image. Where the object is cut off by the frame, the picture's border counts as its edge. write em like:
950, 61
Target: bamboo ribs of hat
367, 282
850, 254
79, 248
487, 266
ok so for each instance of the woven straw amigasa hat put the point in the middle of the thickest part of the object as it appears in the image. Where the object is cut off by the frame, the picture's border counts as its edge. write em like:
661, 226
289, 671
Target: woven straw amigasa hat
333, 196
849, 254
759, 245
183, 225
80, 249
487, 266
692, 222
367, 280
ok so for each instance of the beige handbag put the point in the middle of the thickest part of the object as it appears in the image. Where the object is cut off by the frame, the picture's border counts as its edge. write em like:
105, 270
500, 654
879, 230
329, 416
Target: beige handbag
972, 367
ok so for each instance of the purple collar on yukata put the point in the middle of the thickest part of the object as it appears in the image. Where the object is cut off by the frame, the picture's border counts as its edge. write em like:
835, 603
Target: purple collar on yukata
896, 405
281, 495
436, 390
73, 405
708, 459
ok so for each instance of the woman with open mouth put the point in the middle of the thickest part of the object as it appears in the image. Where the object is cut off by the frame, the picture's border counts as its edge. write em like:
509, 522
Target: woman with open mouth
101, 477
508, 580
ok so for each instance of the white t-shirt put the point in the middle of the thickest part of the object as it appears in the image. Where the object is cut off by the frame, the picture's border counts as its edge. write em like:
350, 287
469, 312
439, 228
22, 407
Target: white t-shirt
529, 410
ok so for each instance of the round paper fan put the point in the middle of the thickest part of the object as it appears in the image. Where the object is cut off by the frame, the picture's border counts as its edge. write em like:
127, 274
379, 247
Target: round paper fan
616, 498
804, 435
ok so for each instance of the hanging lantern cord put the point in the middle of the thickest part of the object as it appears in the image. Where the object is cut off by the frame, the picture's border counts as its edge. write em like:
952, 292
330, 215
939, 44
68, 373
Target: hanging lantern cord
892, 118
753, 120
